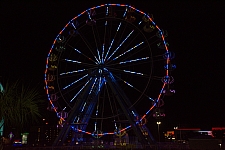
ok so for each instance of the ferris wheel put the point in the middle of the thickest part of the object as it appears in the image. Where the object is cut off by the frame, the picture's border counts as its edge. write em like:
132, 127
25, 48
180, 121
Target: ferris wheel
106, 71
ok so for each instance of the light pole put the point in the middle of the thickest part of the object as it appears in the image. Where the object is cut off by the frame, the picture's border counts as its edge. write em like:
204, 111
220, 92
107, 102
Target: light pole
158, 123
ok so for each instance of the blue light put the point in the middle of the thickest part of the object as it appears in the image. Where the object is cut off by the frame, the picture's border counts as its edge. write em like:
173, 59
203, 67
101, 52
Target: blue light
118, 27
125, 13
83, 107
73, 25
89, 15
103, 46
75, 81
109, 49
133, 113
115, 124
93, 85
80, 90
139, 22
107, 11
133, 72
72, 72
73, 61
138, 59
98, 56
77, 50
99, 84
128, 84
151, 98
147, 111
112, 41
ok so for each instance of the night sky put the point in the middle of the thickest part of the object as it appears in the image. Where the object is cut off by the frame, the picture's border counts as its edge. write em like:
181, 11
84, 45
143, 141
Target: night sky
196, 34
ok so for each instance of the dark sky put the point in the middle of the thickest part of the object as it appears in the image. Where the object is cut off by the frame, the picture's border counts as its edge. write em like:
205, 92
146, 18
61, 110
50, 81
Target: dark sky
196, 35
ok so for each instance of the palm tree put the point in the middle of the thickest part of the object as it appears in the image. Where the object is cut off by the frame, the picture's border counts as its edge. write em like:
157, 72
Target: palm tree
20, 105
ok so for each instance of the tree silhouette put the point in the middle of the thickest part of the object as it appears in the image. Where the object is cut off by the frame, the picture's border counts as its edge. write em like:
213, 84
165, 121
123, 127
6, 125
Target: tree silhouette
20, 105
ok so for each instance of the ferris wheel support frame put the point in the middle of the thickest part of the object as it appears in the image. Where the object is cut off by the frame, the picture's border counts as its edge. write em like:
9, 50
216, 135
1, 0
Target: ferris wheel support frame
124, 104
135, 124
75, 111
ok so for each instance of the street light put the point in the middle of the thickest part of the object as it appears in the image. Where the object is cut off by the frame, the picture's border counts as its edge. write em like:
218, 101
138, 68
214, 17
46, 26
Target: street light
158, 123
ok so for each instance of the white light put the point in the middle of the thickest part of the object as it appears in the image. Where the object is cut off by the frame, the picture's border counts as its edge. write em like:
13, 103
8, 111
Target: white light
158, 122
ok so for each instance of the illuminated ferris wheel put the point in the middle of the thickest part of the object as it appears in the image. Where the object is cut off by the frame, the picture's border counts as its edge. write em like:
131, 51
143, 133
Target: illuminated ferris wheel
106, 71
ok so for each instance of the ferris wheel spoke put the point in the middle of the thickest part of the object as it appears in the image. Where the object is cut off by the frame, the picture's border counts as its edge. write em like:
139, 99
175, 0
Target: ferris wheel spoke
130, 85
80, 90
131, 41
93, 85
87, 44
133, 60
125, 12
104, 41
153, 42
118, 28
71, 72
134, 53
123, 65
75, 73
130, 72
155, 60
138, 50
95, 33
128, 50
156, 78
133, 72
120, 44
74, 82
78, 62
81, 53
69, 90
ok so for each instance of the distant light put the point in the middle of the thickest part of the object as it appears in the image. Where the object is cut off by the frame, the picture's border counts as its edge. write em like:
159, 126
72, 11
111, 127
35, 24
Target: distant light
158, 122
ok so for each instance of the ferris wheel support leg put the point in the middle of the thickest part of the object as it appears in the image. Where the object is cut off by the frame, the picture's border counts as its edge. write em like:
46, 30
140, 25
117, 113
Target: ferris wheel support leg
122, 102
61, 137
75, 111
